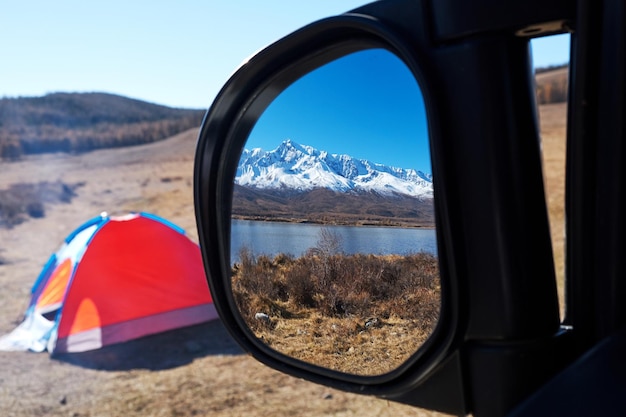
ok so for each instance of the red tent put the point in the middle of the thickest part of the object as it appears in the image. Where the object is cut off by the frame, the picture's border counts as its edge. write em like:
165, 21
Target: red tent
115, 279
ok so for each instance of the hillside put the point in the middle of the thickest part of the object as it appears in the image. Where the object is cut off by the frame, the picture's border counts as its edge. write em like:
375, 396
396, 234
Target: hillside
327, 206
79, 122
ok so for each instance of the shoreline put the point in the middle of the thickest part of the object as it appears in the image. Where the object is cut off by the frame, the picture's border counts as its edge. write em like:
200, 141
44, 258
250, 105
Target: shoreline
337, 222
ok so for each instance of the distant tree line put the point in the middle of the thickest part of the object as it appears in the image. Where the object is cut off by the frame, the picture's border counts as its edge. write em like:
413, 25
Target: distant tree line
549, 68
82, 122
47, 138
552, 88
72, 122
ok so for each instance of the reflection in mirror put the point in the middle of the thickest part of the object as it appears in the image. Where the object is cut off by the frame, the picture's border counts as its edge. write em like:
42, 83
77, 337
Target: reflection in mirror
334, 258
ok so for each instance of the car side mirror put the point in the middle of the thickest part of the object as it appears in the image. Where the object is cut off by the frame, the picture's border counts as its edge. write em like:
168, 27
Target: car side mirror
400, 131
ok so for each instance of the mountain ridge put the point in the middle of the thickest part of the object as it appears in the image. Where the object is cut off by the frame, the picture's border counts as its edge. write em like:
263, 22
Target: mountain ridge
304, 168
299, 183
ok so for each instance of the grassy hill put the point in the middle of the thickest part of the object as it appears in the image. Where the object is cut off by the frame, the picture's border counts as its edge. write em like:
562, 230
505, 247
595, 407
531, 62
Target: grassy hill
79, 122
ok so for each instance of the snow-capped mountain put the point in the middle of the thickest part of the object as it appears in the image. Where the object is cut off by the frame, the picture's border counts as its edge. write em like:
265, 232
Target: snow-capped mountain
304, 168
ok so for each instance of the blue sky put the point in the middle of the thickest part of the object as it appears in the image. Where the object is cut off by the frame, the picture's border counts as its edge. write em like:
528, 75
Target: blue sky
177, 53
367, 105
180, 54
550, 50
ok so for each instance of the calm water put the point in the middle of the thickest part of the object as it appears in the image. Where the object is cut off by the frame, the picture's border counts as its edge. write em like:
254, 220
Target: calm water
271, 238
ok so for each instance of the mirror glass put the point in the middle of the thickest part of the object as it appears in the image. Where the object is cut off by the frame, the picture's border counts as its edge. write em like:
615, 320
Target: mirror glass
334, 252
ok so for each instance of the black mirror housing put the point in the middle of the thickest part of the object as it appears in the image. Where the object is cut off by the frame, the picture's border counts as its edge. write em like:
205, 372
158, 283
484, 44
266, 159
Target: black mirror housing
499, 304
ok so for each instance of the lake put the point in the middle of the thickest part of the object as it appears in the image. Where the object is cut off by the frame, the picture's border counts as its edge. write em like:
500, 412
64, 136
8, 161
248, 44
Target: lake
271, 238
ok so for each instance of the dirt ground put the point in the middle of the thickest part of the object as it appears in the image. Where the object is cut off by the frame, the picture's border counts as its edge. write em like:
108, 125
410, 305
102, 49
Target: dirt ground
553, 131
192, 372
197, 371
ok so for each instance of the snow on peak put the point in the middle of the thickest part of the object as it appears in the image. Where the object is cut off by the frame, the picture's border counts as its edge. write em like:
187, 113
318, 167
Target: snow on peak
303, 168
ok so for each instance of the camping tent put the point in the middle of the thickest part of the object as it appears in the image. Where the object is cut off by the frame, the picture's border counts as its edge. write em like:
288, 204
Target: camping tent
115, 279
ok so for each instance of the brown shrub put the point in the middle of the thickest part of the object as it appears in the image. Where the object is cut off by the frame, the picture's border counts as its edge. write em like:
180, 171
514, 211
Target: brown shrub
21, 201
339, 285
362, 314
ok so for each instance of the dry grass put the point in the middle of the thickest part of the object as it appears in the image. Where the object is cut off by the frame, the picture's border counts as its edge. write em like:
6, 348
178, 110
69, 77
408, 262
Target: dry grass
349, 344
360, 314
553, 142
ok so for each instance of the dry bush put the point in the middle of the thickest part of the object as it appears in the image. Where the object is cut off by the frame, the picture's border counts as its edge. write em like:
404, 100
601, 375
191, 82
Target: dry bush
337, 310
300, 285
339, 285
23, 200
